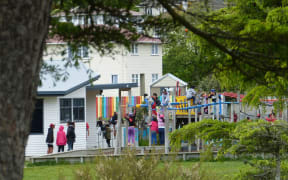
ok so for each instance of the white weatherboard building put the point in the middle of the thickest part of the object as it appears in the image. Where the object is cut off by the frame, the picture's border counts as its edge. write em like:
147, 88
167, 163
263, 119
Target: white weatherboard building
142, 65
61, 101
58, 102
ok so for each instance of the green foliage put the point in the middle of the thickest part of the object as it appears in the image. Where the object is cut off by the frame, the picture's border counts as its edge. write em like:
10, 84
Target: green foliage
131, 167
215, 132
261, 137
244, 45
261, 170
184, 58
245, 138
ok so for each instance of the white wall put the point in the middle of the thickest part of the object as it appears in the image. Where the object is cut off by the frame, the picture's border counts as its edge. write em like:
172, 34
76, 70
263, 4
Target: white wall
91, 118
122, 63
36, 144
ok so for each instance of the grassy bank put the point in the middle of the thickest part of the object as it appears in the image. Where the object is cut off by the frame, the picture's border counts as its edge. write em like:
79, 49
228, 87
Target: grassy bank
214, 170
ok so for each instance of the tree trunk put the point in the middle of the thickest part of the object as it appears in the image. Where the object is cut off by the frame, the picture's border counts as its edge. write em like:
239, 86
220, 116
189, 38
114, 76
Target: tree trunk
23, 29
278, 167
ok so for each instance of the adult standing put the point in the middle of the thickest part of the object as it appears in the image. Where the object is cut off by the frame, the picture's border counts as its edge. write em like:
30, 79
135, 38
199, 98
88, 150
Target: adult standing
71, 135
50, 138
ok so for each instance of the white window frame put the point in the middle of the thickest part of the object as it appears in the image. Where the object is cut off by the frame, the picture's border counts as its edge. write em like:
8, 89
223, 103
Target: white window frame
114, 75
80, 53
135, 78
72, 109
149, 11
155, 50
154, 77
134, 49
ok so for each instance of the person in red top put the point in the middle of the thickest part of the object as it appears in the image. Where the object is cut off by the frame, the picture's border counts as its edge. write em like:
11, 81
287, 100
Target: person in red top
154, 130
61, 139
87, 129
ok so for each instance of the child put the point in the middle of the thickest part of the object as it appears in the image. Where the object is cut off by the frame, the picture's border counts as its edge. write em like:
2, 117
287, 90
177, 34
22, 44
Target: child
50, 139
70, 135
108, 135
161, 128
61, 139
114, 122
131, 131
155, 103
154, 130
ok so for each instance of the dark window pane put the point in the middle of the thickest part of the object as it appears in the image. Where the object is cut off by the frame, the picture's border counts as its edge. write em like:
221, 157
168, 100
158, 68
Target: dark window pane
65, 110
37, 119
78, 110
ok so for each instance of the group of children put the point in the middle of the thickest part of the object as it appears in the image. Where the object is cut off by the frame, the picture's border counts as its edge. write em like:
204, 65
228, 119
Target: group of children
158, 122
157, 127
62, 138
105, 130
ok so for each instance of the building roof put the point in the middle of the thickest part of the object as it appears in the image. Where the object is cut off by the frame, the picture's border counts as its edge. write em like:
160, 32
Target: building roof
233, 95
143, 39
112, 86
168, 80
77, 77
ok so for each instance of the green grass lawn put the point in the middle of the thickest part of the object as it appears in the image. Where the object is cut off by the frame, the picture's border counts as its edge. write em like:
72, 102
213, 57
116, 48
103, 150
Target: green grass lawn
214, 170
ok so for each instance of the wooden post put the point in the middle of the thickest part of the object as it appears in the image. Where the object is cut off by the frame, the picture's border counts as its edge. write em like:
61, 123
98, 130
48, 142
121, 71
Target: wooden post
196, 120
117, 149
149, 120
232, 113
239, 105
199, 140
174, 113
129, 109
166, 130
189, 121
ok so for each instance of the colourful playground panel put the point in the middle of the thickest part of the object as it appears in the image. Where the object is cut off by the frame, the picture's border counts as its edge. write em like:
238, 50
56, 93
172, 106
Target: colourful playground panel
106, 106
183, 99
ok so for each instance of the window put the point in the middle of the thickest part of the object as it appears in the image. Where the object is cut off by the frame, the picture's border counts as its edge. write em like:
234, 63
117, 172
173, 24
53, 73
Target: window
135, 78
98, 19
154, 77
114, 79
78, 110
154, 49
148, 11
82, 52
65, 110
72, 108
134, 49
37, 120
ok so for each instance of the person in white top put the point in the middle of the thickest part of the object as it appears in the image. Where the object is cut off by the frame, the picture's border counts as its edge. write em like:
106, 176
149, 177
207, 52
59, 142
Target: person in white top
165, 98
191, 93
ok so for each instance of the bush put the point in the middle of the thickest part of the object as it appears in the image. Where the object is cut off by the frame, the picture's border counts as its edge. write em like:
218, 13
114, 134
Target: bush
131, 167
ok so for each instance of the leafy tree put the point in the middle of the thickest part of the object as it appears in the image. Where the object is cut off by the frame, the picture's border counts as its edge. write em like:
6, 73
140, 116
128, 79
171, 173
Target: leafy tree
184, 58
242, 138
246, 38
250, 38
25, 25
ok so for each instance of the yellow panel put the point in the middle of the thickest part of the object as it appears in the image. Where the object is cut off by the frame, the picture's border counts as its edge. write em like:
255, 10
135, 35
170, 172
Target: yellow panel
183, 99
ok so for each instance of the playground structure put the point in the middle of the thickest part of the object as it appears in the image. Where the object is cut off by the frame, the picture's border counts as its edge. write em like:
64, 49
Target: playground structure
219, 110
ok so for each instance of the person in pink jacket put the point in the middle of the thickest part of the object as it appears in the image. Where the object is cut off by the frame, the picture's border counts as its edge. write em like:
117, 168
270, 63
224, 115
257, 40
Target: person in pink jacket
154, 130
61, 139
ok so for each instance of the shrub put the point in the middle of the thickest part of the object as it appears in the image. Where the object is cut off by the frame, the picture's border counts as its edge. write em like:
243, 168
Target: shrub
131, 167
